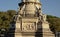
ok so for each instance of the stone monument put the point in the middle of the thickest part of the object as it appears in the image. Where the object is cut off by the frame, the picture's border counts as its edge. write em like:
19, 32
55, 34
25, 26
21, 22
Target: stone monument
30, 21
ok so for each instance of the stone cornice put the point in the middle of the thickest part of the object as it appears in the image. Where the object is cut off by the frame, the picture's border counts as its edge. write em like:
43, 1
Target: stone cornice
22, 3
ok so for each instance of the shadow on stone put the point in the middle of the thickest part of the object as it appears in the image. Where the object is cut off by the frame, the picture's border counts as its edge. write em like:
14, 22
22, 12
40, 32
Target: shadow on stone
39, 32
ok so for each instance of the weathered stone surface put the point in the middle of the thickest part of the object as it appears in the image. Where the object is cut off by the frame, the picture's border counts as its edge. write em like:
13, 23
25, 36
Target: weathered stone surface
30, 22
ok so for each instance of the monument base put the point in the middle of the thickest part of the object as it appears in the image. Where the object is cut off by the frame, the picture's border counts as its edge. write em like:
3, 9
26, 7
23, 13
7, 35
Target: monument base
46, 30
32, 28
48, 33
35, 35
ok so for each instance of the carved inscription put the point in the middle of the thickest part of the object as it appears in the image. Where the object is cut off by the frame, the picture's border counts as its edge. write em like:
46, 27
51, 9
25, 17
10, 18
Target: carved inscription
28, 27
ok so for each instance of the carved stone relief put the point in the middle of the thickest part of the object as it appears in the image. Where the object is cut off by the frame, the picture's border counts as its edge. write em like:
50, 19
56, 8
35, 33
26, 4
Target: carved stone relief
28, 27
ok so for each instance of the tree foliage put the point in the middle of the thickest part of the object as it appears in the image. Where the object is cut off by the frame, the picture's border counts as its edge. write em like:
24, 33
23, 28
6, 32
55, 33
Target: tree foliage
6, 18
54, 22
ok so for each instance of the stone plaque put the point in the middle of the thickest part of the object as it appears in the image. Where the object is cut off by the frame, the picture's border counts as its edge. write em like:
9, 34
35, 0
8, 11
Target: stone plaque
28, 27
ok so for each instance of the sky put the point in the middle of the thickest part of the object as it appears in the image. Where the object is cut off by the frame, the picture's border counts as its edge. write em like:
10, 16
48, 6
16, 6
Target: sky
50, 7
